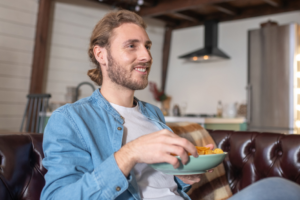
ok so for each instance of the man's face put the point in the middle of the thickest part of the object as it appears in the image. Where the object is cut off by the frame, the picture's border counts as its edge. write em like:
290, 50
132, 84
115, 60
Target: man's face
129, 58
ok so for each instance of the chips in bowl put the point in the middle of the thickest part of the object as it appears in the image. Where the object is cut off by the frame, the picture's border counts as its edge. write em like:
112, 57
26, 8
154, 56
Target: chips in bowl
206, 160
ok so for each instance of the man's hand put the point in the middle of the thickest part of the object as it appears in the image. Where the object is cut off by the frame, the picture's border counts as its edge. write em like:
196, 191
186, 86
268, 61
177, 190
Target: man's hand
154, 148
191, 179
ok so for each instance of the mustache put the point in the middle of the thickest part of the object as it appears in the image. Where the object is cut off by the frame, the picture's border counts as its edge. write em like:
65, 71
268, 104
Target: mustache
143, 64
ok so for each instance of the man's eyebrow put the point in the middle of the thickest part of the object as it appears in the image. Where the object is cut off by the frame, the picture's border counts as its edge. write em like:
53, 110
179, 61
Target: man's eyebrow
149, 42
136, 40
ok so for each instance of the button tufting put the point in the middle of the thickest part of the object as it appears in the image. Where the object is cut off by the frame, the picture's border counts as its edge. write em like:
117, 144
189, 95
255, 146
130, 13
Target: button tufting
253, 150
279, 153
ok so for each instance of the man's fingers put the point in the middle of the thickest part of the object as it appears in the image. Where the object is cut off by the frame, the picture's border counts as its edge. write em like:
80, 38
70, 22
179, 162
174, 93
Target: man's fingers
179, 151
179, 141
211, 146
184, 143
189, 179
173, 161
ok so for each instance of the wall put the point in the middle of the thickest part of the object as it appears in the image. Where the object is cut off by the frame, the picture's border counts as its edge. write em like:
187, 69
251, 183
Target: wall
71, 26
202, 85
17, 35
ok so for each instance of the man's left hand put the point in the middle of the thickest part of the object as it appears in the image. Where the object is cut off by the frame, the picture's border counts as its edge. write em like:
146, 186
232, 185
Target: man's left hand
193, 178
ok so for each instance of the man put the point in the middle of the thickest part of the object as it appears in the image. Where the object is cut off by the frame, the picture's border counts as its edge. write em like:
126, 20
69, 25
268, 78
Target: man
100, 146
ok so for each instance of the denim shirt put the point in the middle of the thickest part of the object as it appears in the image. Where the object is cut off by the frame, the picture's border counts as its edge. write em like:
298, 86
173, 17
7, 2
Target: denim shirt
79, 143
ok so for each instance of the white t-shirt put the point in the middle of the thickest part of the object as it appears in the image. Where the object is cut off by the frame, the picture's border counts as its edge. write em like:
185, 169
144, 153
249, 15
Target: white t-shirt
152, 184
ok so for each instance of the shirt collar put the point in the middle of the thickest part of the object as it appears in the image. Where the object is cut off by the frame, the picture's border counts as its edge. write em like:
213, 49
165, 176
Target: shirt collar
102, 102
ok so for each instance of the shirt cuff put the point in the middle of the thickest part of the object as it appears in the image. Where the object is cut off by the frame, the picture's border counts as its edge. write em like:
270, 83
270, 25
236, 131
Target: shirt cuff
110, 178
181, 185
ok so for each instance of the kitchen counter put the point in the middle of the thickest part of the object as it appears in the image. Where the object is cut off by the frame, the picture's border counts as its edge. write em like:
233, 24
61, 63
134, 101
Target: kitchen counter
237, 124
203, 120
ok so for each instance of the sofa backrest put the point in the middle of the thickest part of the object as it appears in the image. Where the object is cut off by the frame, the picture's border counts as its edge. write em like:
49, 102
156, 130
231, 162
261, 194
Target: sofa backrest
21, 170
253, 156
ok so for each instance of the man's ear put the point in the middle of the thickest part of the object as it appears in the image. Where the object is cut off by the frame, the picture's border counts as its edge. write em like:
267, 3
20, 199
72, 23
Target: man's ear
100, 55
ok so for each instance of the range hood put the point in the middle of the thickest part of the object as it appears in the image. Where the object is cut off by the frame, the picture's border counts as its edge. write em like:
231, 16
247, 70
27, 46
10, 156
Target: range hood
210, 52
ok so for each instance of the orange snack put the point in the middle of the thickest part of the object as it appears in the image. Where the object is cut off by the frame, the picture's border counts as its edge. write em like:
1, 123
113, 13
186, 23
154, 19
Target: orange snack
205, 151
217, 151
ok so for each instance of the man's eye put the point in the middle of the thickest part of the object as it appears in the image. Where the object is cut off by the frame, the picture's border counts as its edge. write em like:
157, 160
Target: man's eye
148, 47
131, 46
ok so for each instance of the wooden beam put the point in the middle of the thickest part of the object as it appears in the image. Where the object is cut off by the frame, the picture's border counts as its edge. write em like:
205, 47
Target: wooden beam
249, 12
166, 53
183, 16
226, 9
168, 6
169, 21
275, 3
41, 39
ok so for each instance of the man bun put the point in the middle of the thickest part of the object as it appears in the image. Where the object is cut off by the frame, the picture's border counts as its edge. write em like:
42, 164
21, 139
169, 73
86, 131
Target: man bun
95, 75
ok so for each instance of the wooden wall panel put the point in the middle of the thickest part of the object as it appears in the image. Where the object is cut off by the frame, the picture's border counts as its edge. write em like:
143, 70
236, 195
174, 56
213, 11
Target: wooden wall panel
70, 41
15, 70
68, 61
68, 65
11, 96
29, 6
17, 16
69, 53
16, 43
13, 29
87, 8
17, 33
12, 109
67, 29
10, 123
15, 56
14, 83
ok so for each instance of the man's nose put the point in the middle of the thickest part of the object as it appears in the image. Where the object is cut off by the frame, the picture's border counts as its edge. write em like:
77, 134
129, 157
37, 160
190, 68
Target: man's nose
144, 55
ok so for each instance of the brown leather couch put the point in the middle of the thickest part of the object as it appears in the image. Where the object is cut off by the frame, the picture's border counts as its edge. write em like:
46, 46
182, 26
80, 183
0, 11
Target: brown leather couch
251, 156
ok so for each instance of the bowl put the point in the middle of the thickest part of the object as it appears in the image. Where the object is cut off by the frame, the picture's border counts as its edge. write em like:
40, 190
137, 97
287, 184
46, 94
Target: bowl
198, 165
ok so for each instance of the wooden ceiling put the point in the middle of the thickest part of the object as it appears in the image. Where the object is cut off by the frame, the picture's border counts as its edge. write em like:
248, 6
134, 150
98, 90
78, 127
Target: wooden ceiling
186, 13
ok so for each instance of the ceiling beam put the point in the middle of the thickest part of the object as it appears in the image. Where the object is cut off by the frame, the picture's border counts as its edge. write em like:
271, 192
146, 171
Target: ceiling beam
249, 12
275, 3
182, 16
170, 22
177, 5
226, 9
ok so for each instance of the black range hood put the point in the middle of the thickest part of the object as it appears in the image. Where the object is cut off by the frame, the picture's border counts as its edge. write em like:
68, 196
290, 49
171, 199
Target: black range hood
210, 52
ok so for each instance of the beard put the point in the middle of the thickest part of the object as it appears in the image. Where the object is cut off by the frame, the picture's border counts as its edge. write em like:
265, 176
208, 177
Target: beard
121, 76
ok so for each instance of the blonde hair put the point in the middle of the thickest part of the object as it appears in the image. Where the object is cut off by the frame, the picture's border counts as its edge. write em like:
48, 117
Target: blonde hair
102, 33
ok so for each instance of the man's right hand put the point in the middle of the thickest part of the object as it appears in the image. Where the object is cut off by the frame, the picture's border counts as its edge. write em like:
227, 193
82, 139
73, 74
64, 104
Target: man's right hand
154, 148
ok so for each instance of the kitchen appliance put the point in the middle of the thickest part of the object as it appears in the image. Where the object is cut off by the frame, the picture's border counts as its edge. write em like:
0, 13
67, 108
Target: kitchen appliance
272, 90
210, 52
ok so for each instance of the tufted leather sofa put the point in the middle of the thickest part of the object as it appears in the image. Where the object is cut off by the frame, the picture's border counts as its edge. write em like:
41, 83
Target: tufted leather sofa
21, 170
251, 156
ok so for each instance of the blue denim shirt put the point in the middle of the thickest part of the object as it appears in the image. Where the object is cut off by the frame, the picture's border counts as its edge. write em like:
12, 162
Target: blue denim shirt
79, 143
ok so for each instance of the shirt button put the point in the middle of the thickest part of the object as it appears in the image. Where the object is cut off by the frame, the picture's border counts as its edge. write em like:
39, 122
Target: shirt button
119, 128
118, 188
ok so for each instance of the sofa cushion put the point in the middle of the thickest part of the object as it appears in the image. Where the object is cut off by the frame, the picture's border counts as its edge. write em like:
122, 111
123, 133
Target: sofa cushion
253, 156
21, 170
